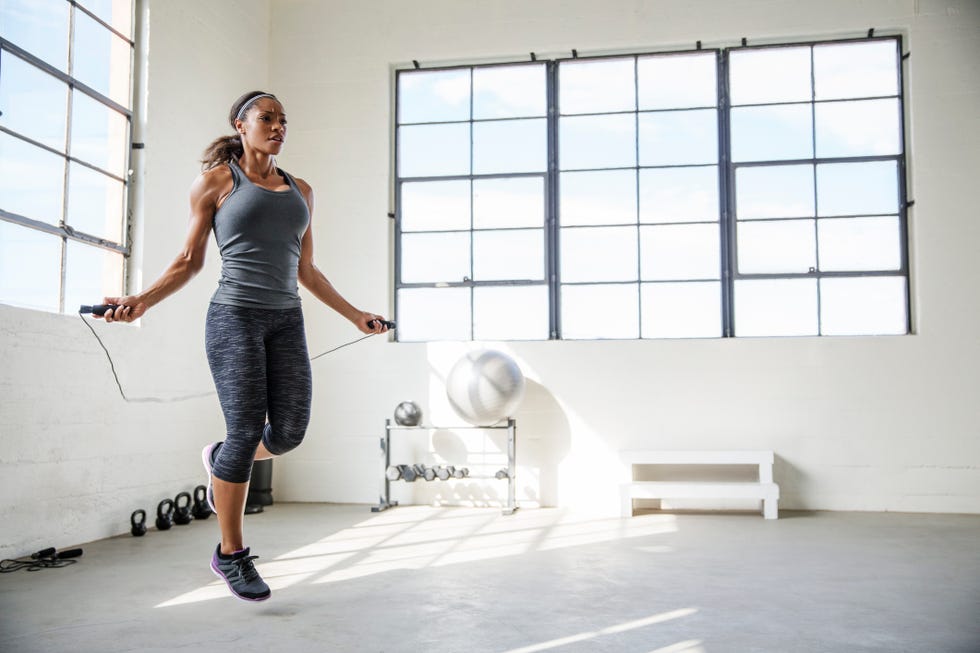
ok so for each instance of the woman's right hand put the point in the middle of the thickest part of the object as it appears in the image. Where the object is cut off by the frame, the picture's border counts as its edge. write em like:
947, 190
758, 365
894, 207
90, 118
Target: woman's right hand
130, 308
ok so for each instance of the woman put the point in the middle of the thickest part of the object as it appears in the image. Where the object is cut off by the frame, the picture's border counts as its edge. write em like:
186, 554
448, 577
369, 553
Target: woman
254, 335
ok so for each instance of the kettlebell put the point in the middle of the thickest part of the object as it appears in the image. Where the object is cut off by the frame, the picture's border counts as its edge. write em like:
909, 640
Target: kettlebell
165, 514
138, 522
182, 509
201, 509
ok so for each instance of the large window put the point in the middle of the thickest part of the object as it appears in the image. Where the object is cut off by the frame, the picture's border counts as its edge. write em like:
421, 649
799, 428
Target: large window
66, 71
753, 191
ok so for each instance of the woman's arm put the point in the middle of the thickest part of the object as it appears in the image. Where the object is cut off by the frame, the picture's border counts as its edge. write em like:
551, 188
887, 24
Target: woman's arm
317, 283
206, 191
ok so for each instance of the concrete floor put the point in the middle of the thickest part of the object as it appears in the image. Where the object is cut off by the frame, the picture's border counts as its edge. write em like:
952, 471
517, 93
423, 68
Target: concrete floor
472, 580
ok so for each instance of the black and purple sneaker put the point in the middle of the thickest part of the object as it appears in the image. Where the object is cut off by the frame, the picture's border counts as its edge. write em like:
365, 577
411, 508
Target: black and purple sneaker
238, 571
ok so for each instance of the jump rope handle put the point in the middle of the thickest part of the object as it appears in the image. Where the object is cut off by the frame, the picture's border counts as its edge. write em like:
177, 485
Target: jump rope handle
98, 309
388, 323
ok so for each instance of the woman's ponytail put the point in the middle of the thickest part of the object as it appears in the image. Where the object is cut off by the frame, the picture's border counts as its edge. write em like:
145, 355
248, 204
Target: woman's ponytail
222, 151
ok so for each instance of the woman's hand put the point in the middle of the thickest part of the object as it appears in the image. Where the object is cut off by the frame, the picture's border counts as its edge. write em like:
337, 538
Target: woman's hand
130, 308
376, 326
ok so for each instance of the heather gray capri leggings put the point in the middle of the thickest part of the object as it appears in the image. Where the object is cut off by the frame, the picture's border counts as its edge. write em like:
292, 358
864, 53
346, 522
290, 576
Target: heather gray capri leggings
261, 369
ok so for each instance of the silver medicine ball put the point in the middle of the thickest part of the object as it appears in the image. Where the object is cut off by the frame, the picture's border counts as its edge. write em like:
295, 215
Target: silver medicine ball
408, 413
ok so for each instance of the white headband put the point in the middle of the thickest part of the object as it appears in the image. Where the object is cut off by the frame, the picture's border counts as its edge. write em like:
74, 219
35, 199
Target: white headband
241, 112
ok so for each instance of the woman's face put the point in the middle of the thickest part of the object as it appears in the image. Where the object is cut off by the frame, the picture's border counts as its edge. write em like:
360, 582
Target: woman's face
264, 126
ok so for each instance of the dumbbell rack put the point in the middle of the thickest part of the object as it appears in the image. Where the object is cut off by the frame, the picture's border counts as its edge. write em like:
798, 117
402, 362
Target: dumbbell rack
385, 501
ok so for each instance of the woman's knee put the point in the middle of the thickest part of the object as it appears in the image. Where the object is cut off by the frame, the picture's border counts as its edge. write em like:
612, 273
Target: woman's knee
284, 437
233, 463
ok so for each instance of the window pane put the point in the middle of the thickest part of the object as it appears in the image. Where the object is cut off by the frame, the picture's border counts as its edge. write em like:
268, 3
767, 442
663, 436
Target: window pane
95, 203
774, 192
863, 306
776, 307
38, 26
848, 70
514, 254
599, 312
510, 146
34, 103
605, 197
435, 205
30, 267
101, 59
863, 128
91, 273
596, 86
681, 310
857, 188
860, 244
513, 202
433, 314
32, 180
118, 13
99, 135
679, 194
758, 76
430, 258
678, 137
598, 254
690, 251
510, 313
776, 246
434, 96
509, 91
597, 142
434, 150
772, 133
677, 81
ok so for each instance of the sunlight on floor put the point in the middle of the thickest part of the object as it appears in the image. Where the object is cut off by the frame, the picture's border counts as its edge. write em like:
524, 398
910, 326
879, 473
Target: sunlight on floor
416, 537
619, 628
689, 646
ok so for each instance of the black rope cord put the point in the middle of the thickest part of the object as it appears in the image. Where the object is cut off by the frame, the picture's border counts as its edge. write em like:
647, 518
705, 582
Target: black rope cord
159, 400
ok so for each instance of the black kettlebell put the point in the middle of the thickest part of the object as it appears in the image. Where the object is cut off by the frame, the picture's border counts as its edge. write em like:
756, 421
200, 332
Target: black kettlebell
182, 509
138, 522
201, 509
165, 514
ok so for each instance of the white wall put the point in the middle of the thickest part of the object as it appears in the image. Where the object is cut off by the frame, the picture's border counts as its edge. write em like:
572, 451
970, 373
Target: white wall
856, 423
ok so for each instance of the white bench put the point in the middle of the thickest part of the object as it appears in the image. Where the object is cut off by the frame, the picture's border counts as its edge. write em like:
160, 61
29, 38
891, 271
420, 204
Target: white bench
763, 489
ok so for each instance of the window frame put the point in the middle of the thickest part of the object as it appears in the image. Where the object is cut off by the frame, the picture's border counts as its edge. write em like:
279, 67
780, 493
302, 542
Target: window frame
64, 230
727, 169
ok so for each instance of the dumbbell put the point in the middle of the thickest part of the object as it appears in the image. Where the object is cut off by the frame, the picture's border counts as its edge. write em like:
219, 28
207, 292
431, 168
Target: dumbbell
502, 474
444, 473
428, 473
394, 472
461, 472
409, 473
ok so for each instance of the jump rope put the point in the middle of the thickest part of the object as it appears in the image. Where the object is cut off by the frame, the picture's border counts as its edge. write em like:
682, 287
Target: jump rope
100, 309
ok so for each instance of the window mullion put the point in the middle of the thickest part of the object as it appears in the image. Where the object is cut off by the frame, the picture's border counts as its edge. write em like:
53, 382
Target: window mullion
67, 170
471, 277
551, 205
726, 198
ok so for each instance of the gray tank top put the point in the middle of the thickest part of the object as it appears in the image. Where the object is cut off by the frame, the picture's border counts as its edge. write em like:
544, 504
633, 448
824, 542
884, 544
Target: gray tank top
259, 232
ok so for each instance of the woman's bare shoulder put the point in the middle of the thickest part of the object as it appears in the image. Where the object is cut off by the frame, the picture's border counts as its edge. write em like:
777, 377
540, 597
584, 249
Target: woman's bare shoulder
213, 184
304, 188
